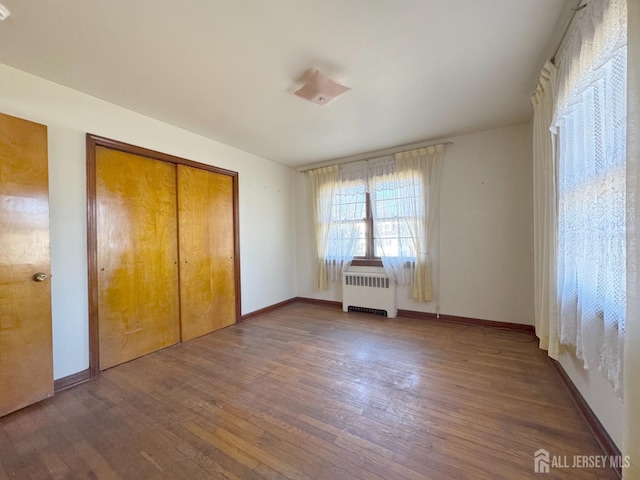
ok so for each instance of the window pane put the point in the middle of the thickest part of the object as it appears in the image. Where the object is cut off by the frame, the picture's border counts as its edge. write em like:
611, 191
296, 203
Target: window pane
347, 235
396, 203
361, 247
395, 247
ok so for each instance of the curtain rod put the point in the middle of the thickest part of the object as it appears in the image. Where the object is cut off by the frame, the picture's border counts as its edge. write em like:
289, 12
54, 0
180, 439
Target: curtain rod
576, 9
375, 154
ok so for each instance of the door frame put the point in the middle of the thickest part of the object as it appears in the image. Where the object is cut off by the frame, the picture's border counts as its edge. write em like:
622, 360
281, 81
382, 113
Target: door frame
94, 141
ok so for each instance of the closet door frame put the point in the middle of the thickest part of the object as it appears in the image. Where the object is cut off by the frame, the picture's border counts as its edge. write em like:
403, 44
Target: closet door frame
94, 141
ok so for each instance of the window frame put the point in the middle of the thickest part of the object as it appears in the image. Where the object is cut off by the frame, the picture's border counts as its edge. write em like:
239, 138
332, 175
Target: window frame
369, 259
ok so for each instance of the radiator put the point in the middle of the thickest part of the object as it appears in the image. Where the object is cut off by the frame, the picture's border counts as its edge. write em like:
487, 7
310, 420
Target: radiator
369, 292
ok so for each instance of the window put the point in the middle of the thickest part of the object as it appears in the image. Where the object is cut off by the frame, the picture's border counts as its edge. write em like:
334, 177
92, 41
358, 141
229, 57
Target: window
354, 228
378, 212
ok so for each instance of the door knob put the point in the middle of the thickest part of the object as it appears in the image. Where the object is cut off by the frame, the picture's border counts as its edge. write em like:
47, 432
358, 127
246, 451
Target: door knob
40, 277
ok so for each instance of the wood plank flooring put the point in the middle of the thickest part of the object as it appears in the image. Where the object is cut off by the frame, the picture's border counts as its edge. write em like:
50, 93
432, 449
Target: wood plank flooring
309, 392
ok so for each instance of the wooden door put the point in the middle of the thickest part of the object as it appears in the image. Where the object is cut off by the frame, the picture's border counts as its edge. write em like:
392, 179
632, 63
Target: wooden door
137, 256
26, 356
206, 239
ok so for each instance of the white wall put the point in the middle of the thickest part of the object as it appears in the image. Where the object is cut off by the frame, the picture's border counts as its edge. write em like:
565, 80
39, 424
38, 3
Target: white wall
266, 201
486, 237
598, 393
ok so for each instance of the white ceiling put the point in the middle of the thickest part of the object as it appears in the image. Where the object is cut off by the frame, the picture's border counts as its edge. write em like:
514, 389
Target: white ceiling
227, 69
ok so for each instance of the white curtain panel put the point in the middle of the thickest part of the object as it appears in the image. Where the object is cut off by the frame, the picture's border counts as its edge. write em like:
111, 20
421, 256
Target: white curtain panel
418, 174
346, 230
545, 216
631, 444
395, 206
322, 182
590, 116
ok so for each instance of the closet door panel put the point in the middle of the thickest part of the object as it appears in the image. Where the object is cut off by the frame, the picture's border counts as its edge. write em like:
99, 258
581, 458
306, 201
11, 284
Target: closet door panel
137, 253
206, 243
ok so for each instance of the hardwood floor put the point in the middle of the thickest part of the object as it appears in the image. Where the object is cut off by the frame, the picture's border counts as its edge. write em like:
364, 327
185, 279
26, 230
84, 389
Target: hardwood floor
308, 392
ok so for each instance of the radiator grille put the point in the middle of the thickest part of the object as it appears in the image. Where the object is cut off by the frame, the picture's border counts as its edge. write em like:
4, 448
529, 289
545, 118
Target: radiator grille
374, 311
367, 281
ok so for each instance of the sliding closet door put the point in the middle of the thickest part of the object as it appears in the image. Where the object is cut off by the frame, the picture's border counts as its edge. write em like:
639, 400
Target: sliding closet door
137, 256
26, 358
206, 239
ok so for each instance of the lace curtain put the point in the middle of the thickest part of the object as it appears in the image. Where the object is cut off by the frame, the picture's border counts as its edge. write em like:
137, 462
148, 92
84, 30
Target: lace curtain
590, 119
347, 228
394, 207
631, 445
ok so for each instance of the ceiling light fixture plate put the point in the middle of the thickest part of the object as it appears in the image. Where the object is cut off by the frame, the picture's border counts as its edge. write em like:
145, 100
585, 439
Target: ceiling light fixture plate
321, 90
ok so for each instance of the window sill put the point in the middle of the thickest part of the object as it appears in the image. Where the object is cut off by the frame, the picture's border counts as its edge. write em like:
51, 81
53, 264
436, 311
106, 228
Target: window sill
366, 262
